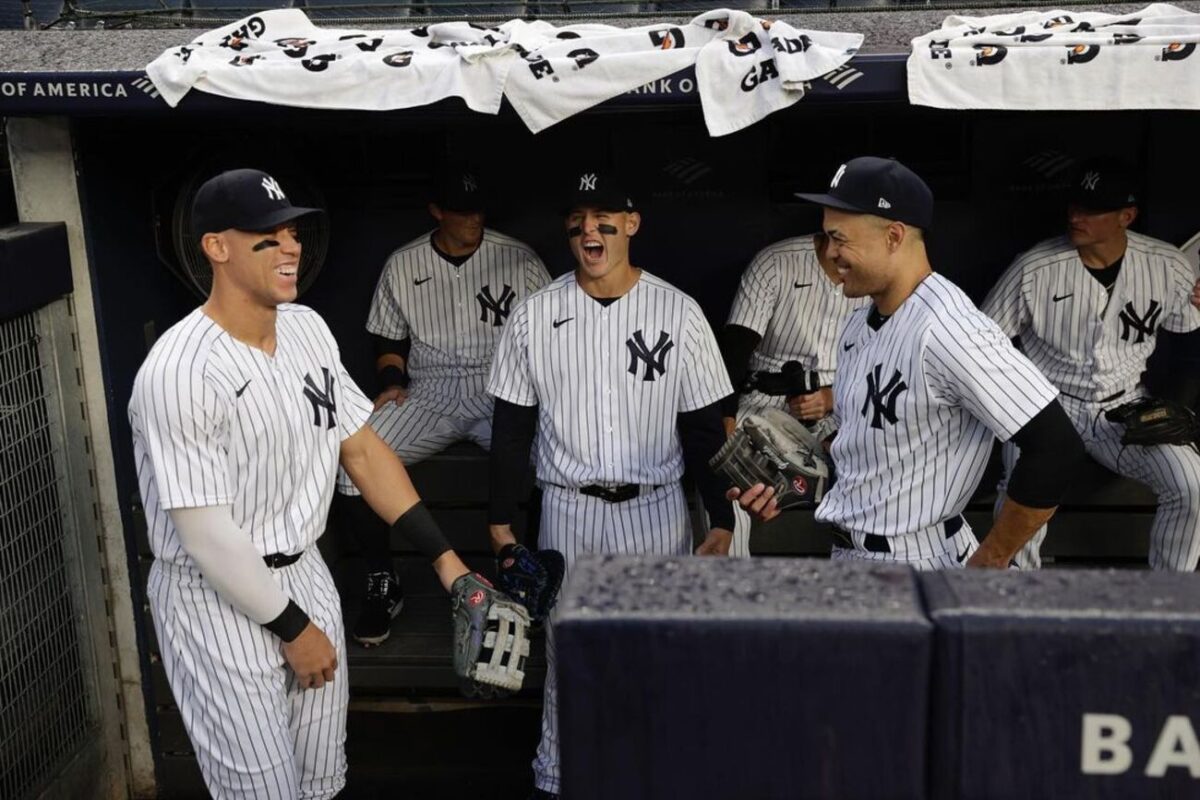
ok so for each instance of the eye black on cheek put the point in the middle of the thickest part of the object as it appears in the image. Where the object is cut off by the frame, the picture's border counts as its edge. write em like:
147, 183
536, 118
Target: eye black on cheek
264, 244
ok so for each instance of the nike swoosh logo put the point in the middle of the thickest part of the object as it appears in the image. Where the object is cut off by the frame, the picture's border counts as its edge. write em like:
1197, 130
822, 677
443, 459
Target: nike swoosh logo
419, 281
1058, 299
238, 393
846, 348
802, 285
963, 555
558, 322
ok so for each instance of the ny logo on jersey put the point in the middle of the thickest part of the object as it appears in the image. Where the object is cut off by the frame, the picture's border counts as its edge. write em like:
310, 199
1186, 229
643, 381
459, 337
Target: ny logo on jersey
274, 191
837, 176
587, 183
882, 397
321, 399
655, 358
498, 308
1143, 325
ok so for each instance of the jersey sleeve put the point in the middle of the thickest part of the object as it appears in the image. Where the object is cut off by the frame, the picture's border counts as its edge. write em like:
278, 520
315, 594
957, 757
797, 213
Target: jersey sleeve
1005, 303
970, 361
705, 379
536, 275
183, 424
1184, 316
757, 294
510, 379
386, 317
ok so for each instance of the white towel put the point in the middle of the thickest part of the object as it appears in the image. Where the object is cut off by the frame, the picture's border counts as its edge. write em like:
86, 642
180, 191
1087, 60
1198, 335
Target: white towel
1060, 60
752, 70
547, 73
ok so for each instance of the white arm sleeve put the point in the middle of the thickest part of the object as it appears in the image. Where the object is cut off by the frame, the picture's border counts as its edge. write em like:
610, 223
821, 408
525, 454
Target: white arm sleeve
228, 560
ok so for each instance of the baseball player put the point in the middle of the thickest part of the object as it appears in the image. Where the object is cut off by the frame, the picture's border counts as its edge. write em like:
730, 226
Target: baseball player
241, 414
780, 342
620, 375
437, 313
1087, 307
924, 384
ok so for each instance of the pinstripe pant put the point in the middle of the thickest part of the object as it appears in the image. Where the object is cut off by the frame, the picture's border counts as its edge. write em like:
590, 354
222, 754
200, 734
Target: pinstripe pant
575, 524
256, 733
415, 432
1171, 471
925, 550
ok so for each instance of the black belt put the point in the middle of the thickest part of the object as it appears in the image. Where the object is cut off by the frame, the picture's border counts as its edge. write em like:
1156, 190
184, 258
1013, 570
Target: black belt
1108, 399
610, 494
277, 560
874, 543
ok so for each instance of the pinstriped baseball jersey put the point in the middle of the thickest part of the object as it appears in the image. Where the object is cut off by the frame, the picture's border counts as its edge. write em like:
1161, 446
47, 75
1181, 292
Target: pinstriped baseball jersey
218, 422
453, 314
1089, 343
919, 402
787, 299
609, 381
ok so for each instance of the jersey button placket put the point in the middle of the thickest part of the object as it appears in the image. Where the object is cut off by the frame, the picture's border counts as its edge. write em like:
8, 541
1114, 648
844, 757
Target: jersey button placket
607, 446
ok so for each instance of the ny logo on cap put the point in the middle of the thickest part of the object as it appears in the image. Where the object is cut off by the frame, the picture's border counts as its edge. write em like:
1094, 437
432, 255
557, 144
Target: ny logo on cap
587, 183
468, 181
837, 176
1090, 180
273, 189
884, 203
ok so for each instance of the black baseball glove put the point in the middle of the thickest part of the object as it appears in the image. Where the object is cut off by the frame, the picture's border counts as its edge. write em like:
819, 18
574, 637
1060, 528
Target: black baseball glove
1151, 421
531, 578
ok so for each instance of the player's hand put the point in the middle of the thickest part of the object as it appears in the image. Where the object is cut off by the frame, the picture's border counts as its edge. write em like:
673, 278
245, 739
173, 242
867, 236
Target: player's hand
730, 423
987, 558
312, 657
392, 394
716, 543
812, 406
1196, 294
758, 500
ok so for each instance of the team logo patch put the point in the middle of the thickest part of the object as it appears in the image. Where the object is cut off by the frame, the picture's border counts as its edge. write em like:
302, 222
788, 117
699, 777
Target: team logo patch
1177, 51
497, 308
881, 397
476, 598
322, 398
654, 359
987, 54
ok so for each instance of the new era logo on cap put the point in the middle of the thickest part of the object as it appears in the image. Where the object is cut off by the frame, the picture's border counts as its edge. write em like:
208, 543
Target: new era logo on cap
869, 185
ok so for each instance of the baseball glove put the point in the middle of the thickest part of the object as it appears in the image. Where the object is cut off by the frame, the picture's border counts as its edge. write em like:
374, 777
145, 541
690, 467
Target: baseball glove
532, 579
490, 638
775, 449
1151, 421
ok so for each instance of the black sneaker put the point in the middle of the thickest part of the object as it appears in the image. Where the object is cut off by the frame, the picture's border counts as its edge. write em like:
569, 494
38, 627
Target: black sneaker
382, 603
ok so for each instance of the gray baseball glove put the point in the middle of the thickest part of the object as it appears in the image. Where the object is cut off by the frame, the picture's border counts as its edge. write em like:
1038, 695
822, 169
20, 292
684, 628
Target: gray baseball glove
775, 449
490, 638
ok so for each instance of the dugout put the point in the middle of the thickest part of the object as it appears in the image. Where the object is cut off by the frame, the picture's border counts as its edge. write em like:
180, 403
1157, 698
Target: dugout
90, 145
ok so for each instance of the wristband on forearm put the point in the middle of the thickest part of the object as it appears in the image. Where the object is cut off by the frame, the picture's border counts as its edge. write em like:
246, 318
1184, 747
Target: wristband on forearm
417, 526
290, 623
391, 375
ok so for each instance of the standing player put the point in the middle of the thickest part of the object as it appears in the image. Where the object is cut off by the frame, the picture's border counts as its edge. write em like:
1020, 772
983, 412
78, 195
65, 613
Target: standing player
438, 311
620, 374
782, 331
240, 416
1087, 307
924, 384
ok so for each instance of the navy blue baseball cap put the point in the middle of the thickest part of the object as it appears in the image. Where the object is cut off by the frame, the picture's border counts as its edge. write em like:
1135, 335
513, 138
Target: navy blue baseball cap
243, 199
880, 186
596, 189
1104, 184
459, 189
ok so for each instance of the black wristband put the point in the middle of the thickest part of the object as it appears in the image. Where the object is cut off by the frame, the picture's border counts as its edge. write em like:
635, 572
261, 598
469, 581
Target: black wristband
417, 526
290, 623
391, 375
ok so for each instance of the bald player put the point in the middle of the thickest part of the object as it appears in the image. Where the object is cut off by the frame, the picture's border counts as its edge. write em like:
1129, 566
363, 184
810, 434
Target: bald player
438, 311
925, 383
780, 342
620, 374
241, 415
1087, 307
